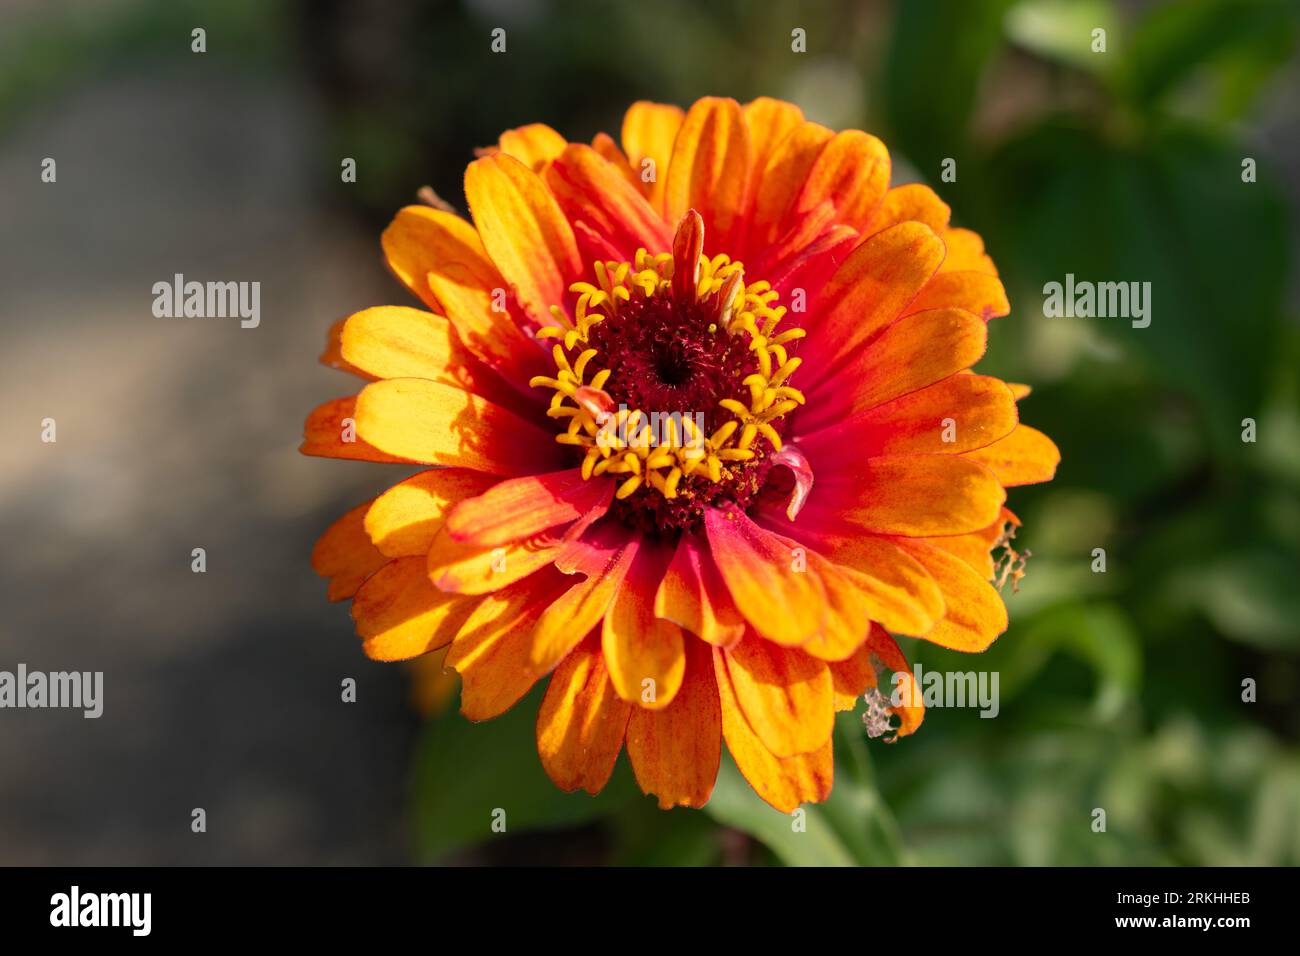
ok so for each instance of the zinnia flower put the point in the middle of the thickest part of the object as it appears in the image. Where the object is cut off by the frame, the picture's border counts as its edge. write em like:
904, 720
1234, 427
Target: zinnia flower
705, 436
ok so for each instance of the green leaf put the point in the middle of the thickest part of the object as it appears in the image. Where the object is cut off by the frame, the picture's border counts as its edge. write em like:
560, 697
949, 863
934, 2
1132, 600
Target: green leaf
1061, 30
1176, 40
940, 50
852, 827
466, 771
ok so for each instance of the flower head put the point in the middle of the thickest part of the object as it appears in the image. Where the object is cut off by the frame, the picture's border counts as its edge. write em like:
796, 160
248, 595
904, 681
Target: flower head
706, 434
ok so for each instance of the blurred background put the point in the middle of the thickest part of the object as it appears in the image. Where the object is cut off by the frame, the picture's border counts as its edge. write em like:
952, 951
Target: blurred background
1119, 690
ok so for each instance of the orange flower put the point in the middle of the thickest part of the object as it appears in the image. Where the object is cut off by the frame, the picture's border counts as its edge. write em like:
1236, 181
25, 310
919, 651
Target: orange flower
706, 432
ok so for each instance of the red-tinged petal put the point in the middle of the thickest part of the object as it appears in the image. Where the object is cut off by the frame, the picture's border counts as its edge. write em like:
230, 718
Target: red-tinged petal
649, 131
404, 519
604, 144
694, 596
1024, 457
763, 570
952, 416
784, 783
524, 232
331, 432
522, 507
912, 495
976, 292
490, 651
975, 612
851, 171
916, 351
784, 693
400, 615
708, 171
345, 555
646, 655
914, 202
792, 457
781, 174
419, 420
675, 752
870, 290
606, 556
591, 190
535, 145
582, 722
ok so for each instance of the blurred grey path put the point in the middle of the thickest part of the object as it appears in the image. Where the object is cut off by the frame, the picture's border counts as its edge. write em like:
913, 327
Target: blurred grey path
222, 690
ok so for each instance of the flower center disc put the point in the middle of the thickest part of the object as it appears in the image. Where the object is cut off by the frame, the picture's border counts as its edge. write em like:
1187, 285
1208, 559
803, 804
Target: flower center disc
690, 390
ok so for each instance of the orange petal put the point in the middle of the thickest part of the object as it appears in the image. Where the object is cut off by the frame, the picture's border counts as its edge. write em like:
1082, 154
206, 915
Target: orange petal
645, 655
895, 589
913, 495
885, 653
769, 122
534, 145
784, 783
524, 232
916, 351
966, 253
345, 555
469, 569
581, 723
851, 172
851, 677
782, 173
913, 202
708, 171
784, 693
649, 131
871, 288
439, 257
437, 424
759, 569
976, 548
976, 292
583, 606
955, 415
400, 615
675, 752
491, 650
694, 596
1025, 457
592, 190
405, 518
332, 357
331, 432
975, 613
398, 342
522, 507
